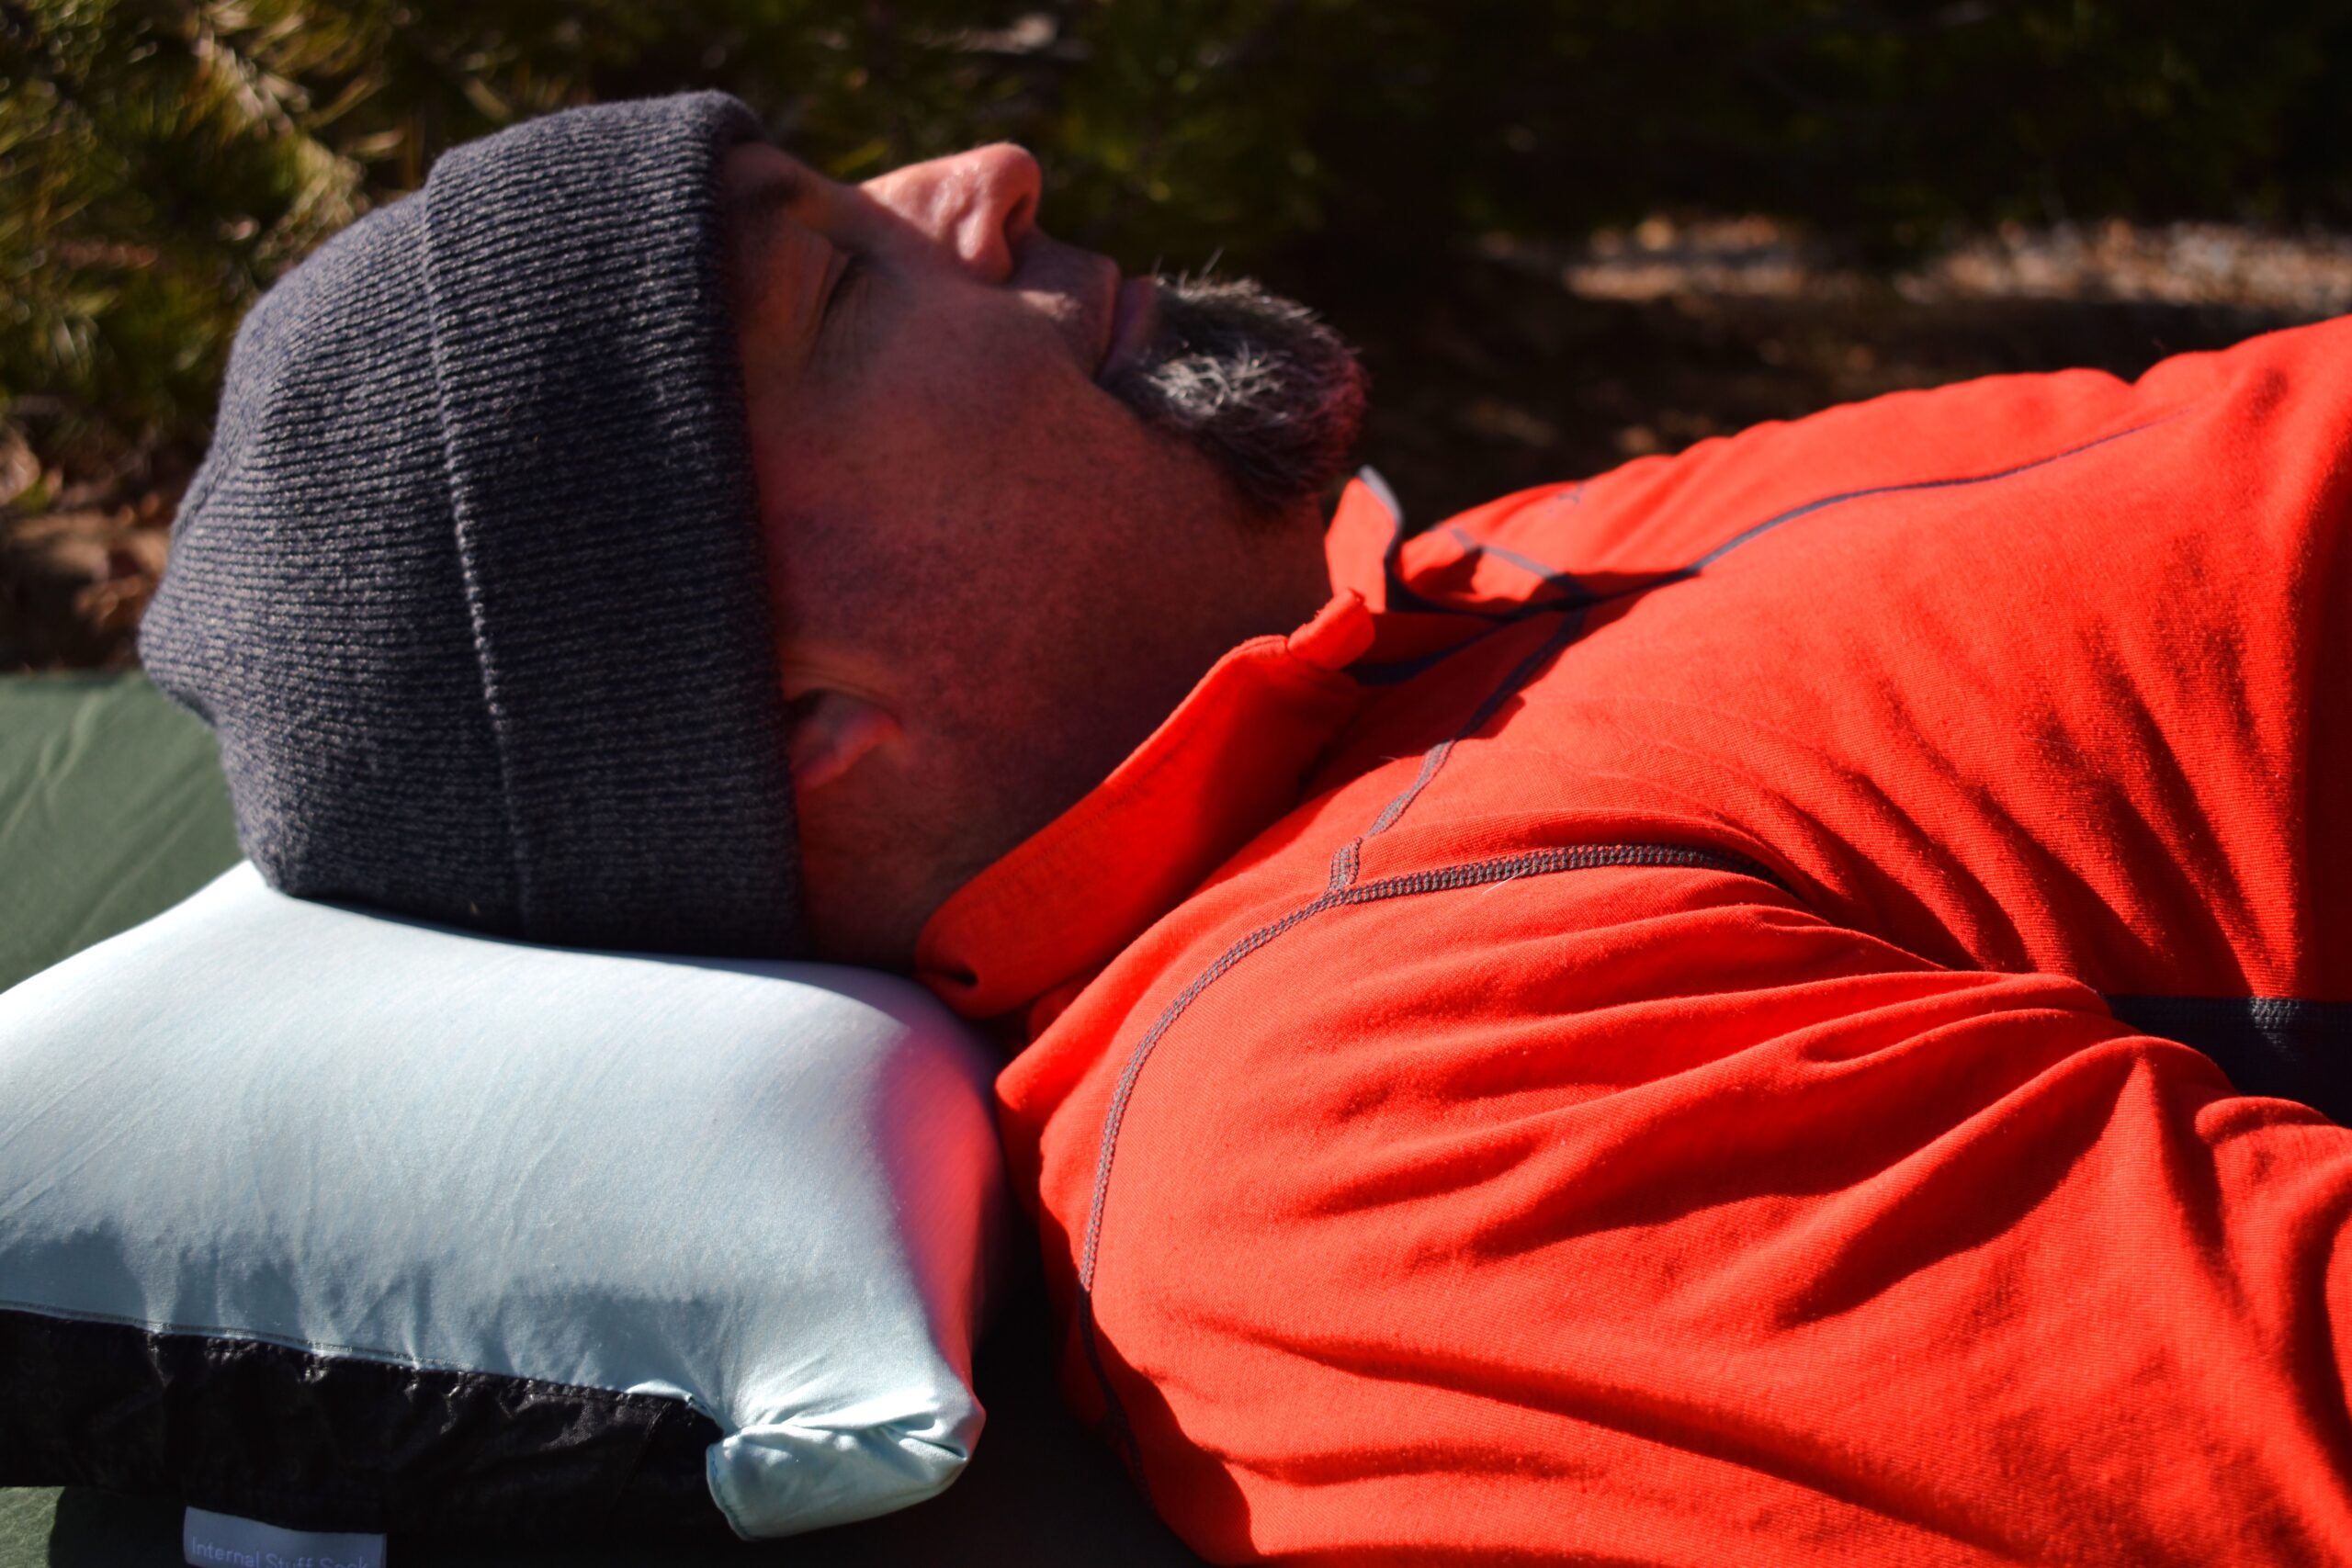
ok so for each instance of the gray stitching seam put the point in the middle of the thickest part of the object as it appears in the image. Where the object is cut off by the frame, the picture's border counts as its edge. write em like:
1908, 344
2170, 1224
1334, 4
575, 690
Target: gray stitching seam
1534, 862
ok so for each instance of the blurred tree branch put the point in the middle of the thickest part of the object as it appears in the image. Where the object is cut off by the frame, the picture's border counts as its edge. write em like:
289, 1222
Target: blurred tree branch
163, 160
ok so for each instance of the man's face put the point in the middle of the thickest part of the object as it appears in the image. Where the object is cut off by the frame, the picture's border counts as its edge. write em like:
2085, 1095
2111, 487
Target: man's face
1009, 519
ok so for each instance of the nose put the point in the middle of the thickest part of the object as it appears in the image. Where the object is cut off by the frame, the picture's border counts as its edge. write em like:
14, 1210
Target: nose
977, 204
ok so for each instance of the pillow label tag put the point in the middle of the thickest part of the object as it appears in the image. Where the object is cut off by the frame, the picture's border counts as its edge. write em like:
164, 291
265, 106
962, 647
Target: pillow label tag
224, 1540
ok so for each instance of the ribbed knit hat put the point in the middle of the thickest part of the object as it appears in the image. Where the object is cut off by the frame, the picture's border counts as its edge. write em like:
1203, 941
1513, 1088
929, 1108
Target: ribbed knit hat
471, 586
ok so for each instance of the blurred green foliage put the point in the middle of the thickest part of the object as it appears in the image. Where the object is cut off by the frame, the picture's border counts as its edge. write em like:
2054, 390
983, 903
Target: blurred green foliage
160, 160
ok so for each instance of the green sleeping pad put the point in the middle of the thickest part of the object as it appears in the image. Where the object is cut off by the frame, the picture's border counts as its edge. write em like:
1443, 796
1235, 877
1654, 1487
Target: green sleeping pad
111, 810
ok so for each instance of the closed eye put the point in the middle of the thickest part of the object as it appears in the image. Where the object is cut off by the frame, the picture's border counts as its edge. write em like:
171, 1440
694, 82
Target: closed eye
847, 279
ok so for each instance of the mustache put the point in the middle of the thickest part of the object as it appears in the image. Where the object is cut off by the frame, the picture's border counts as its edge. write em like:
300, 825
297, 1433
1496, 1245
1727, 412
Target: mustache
1257, 381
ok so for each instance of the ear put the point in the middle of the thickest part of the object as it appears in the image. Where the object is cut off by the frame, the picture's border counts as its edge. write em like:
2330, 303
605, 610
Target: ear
832, 732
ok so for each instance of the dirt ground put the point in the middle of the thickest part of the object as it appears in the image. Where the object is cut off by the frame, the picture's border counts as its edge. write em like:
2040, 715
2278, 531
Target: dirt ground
1527, 365
1552, 366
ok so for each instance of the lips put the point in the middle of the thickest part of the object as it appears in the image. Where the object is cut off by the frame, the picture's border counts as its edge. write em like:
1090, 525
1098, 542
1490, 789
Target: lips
1134, 314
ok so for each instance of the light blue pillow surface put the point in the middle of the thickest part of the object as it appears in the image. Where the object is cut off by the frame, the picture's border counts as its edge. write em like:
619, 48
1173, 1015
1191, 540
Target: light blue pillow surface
768, 1192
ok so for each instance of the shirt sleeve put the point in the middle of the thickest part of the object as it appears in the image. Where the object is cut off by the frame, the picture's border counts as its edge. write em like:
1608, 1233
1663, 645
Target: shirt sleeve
2042, 672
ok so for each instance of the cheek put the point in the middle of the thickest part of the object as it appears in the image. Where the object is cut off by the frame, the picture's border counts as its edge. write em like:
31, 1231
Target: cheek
966, 470
863, 879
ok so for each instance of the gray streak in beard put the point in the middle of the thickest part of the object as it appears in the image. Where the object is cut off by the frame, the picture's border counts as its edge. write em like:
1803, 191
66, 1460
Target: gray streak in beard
1256, 381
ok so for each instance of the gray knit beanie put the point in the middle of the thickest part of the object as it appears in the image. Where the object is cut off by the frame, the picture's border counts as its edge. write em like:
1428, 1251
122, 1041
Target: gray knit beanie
471, 586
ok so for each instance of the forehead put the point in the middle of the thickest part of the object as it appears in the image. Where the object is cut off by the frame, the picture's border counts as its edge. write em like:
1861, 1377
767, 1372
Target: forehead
765, 194
760, 190
758, 181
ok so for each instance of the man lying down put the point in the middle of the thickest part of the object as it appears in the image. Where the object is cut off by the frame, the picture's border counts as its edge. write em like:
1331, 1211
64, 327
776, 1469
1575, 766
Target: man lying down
1778, 1006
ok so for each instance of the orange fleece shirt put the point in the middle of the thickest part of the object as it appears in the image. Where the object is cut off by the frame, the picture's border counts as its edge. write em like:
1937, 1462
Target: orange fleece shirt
1659, 1027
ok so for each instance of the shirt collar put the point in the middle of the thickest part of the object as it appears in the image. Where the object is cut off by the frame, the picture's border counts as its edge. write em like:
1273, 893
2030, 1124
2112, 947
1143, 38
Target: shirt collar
1224, 765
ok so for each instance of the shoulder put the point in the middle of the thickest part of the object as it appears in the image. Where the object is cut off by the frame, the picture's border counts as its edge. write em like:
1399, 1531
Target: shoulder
2285, 395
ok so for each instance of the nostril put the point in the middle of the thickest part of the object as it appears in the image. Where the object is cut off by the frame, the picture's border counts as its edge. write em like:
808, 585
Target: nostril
978, 204
1007, 183
1026, 179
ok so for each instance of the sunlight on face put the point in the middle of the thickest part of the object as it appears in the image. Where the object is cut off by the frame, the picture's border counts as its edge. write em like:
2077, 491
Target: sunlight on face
995, 565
